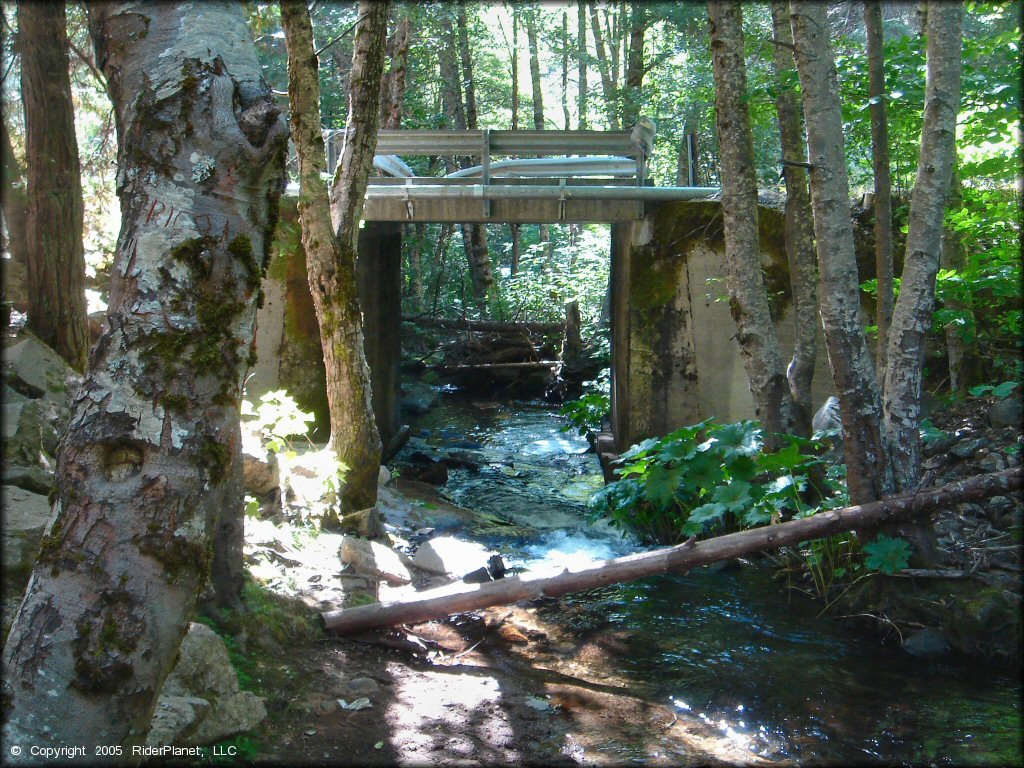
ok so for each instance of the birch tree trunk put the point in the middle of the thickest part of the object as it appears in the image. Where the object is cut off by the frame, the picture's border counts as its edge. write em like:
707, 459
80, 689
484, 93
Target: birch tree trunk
868, 474
799, 226
331, 245
55, 254
912, 317
748, 297
878, 94
153, 430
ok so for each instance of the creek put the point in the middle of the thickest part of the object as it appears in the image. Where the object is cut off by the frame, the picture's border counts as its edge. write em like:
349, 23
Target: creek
730, 645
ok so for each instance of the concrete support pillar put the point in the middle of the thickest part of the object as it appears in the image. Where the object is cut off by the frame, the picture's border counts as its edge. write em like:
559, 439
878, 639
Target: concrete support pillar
379, 274
654, 370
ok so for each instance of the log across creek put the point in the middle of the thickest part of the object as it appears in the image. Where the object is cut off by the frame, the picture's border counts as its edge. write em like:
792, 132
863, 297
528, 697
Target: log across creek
460, 597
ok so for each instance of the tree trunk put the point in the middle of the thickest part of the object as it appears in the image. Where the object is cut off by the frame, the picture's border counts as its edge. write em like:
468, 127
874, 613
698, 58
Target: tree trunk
748, 297
799, 225
461, 598
581, 62
632, 97
961, 340
515, 229
868, 475
878, 94
538, 109
416, 264
515, 67
912, 317
393, 86
565, 69
14, 202
538, 94
331, 245
478, 252
153, 430
607, 82
56, 257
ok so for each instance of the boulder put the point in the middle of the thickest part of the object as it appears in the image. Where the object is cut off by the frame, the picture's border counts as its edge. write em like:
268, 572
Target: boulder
447, 555
259, 473
203, 674
367, 523
25, 515
369, 558
418, 397
827, 417
1006, 412
33, 369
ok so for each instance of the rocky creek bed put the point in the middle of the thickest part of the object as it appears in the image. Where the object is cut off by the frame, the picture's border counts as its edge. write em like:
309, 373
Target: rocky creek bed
722, 666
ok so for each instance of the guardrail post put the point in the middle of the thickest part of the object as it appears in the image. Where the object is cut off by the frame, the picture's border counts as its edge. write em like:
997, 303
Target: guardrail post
485, 168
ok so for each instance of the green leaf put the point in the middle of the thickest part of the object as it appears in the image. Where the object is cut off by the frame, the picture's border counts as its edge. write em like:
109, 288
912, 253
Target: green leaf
660, 484
734, 497
887, 554
787, 459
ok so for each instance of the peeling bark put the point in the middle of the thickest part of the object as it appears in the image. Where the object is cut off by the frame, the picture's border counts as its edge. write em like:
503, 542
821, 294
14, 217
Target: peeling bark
748, 297
55, 254
853, 371
912, 316
153, 430
329, 234
799, 226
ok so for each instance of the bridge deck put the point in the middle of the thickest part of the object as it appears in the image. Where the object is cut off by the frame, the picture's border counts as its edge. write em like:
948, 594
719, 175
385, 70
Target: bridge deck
608, 185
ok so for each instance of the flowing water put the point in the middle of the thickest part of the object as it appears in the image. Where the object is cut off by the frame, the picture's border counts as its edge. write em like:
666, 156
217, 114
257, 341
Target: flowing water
728, 645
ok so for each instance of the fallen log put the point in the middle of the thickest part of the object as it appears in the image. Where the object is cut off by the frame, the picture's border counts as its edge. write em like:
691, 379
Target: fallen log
459, 597
486, 326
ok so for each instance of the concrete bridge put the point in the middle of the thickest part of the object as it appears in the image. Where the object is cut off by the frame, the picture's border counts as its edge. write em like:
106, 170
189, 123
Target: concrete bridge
675, 360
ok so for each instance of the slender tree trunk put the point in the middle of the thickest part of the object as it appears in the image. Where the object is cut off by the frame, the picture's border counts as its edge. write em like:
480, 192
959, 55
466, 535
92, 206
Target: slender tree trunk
748, 297
416, 264
878, 93
538, 111
538, 94
799, 225
56, 257
912, 315
515, 67
393, 86
607, 81
329, 233
633, 97
153, 431
514, 229
581, 62
565, 69
14, 202
961, 340
479, 254
868, 475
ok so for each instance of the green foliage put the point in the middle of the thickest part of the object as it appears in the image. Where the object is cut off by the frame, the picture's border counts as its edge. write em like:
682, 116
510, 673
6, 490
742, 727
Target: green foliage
1001, 391
708, 478
587, 413
887, 554
278, 418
